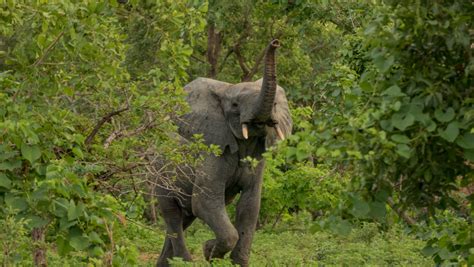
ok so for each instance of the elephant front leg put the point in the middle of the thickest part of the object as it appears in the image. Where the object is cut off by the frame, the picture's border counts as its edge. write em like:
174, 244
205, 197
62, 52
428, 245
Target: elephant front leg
210, 208
246, 222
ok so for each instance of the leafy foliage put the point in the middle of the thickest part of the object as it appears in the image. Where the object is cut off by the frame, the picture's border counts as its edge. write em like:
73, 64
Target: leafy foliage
382, 102
396, 112
420, 105
63, 79
407, 121
449, 239
364, 246
298, 186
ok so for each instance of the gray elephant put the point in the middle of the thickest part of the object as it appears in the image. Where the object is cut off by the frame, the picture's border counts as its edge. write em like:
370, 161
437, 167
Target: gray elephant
243, 119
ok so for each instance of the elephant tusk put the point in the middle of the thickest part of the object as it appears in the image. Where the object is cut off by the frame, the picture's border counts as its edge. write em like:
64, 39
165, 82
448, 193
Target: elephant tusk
245, 131
280, 133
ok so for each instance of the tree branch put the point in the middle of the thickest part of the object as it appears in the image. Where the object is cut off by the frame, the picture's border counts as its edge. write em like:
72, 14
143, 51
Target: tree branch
241, 61
231, 50
410, 221
110, 173
48, 49
255, 67
198, 59
104, 119
121, 134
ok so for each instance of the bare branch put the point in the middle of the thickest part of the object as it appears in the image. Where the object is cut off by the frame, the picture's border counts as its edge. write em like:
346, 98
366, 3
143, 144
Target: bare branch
104, 119
255, 67
241, 61
47, 50
231, 50
400, 212
123, 134
198, 59
106, 175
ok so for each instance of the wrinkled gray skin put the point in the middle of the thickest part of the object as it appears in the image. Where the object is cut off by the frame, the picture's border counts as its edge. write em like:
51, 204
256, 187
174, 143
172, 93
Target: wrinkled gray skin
219, 110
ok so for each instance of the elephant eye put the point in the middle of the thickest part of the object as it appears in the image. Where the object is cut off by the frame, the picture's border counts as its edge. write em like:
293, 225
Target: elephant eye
234, 105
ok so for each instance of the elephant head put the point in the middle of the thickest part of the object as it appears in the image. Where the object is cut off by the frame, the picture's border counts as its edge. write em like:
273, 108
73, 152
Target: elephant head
225, 113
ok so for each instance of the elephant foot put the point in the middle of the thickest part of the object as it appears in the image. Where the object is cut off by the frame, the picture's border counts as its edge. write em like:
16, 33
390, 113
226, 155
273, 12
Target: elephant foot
187, 256
239, 259
165, 263
210, 251
162, 263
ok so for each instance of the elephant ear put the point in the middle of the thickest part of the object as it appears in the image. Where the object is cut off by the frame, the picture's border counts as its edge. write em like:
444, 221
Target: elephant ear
281, 114
206, 116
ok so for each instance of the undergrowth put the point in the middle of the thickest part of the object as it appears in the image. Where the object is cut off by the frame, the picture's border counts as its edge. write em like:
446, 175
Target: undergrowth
290, 243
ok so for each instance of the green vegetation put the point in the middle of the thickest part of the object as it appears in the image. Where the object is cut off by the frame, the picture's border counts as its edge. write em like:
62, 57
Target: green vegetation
287, 245
379, 169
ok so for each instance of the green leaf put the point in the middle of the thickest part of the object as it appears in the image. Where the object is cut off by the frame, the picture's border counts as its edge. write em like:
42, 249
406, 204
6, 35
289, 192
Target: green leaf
64, 223
382, 63
466, 141
393, 90
79, 242
63, 246
451, 132
430, 125
335, 153
41, 193
10, 165
396, 106
321, 151
78, 152
316, 227
5, 182
377, 210
31, 153
4, 155
96, 252
365, 86
16, 202
402, 122
360, 208
290, 152
73, 211
399, 138
444, 116
344, 227
60, 207
445, 254
469, 154
382, 196
303, 151
428, 251
403, 150
36, 221
95, 238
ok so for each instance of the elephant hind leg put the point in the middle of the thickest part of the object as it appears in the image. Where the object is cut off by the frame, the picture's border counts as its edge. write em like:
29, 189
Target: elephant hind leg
166, 253
176, 222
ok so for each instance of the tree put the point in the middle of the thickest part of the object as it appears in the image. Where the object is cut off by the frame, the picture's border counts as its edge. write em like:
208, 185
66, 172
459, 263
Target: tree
73, 119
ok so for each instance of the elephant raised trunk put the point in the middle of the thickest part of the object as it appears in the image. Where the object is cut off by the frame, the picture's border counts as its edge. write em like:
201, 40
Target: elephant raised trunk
267, 94
263, 109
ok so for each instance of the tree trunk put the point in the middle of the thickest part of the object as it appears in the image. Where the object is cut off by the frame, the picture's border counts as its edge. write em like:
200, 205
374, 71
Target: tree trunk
39, 251
213, 49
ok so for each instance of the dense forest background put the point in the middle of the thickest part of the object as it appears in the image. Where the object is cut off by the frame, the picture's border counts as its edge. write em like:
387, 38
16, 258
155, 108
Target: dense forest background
380, 165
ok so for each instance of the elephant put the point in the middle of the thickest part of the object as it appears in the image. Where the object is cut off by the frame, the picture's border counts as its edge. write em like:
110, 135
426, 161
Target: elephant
243, 120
